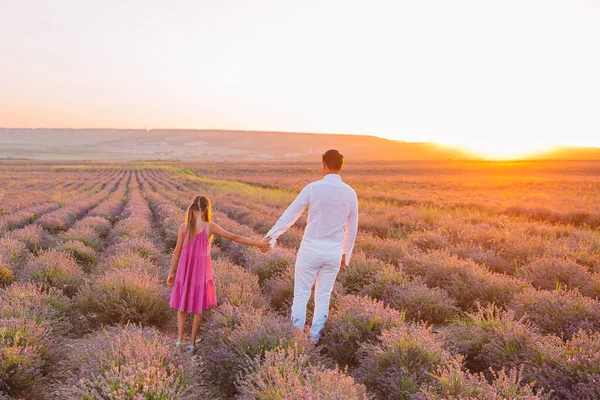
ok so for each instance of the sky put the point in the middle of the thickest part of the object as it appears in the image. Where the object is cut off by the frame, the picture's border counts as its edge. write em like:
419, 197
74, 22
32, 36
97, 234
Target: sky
495, 76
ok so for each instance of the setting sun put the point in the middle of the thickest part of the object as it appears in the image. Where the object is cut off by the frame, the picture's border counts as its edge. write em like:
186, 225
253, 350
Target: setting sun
509, 149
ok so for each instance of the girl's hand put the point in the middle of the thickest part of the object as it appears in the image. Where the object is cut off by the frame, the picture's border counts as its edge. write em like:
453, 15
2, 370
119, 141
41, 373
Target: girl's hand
170, 279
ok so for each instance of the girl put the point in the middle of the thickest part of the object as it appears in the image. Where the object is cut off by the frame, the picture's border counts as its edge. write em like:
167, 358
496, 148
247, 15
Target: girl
193, 288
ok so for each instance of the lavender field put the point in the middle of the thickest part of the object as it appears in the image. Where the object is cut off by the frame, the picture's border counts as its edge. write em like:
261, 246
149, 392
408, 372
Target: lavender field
470, 280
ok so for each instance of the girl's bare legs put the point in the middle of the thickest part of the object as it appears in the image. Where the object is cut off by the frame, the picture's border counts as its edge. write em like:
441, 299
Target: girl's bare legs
195, 328
180, 325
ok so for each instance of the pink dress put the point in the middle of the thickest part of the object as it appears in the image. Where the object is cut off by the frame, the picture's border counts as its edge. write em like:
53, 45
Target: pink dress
194, 289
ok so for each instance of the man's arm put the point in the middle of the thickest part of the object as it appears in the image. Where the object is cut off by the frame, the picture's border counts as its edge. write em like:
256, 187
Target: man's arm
291, 215
350, 232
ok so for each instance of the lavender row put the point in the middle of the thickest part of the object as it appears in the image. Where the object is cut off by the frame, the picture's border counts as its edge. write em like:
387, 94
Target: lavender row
24, 254
26, 196
64, 217
28, 215
128, 287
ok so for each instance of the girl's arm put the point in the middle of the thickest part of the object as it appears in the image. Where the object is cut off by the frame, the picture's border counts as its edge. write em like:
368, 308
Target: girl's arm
217, 230
176, 254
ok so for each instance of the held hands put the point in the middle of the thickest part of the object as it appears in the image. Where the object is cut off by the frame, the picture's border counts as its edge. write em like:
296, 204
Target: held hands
170, 279
264, 245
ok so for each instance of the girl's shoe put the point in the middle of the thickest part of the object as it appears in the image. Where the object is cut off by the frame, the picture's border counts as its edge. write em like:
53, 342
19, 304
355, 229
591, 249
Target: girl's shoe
177, 344
191, 349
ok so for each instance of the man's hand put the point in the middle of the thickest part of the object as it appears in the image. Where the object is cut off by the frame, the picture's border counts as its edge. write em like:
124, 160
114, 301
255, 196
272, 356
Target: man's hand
266, 239
343, 263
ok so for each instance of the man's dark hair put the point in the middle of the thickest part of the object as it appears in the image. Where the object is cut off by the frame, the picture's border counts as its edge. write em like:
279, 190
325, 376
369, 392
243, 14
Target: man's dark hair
334, 160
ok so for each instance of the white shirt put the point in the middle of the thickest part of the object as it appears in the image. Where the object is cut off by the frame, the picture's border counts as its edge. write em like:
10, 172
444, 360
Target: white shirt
332, 216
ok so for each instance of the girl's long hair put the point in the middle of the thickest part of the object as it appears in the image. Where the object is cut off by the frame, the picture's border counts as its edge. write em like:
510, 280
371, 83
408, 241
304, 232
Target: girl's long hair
201, 205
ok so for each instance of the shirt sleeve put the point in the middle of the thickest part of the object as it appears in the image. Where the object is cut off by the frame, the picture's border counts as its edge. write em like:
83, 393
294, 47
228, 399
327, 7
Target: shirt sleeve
350, 231
291, 215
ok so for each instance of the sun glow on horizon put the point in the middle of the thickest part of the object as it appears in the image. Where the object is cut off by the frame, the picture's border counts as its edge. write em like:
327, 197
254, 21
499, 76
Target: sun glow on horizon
510, 146
505, 151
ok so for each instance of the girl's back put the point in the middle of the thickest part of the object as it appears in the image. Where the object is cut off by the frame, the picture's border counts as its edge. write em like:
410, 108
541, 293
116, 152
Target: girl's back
198, 241
194, 289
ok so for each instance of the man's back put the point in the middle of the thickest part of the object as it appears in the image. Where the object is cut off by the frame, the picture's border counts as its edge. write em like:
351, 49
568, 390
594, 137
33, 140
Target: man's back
330, 204
332, 216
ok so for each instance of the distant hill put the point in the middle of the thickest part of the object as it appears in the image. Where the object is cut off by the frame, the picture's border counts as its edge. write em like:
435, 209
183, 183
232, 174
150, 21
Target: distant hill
219, 145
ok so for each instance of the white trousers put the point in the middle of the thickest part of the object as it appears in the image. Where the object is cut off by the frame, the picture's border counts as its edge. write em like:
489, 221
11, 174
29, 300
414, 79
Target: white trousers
319, 268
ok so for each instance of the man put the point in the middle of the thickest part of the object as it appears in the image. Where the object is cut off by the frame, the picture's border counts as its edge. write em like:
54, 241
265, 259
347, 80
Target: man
328, 239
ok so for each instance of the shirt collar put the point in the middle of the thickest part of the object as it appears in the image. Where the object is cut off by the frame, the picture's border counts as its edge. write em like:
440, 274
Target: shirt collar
336, 177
